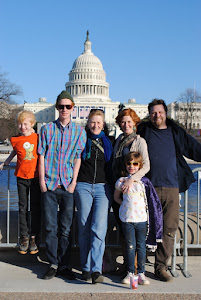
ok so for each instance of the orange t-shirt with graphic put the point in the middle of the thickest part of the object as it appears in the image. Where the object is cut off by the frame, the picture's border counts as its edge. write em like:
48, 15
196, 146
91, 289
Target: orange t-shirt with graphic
27, 156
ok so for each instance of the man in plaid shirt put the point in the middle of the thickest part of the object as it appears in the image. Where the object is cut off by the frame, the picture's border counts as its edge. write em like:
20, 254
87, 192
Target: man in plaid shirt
60, 146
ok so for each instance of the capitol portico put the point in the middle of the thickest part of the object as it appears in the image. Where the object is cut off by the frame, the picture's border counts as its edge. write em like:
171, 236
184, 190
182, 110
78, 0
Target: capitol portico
89, 88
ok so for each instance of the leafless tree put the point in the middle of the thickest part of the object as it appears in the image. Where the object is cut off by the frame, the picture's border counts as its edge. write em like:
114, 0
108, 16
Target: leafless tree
187, 108
8, 124
8, 89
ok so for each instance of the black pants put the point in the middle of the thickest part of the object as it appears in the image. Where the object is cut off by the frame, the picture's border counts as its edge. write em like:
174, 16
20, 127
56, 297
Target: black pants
170, 204
26, 187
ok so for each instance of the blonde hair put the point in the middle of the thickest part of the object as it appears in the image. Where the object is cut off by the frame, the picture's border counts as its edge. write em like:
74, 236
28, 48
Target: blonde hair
22, 115
96, 112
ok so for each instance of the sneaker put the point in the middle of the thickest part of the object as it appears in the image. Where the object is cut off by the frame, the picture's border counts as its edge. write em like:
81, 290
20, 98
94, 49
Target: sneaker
142, 279
162, 275
24, 245
33, 247
126, 280
97, 277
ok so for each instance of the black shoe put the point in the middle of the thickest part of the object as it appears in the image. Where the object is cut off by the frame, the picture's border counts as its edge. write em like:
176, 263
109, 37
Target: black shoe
51, 272
66, 273
86, 275
97, 278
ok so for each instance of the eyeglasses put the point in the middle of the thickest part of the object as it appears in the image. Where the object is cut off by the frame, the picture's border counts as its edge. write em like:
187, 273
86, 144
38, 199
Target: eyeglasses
135, 164
61, 106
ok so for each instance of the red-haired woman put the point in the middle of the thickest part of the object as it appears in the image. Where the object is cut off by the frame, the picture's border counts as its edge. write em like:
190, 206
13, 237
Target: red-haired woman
127, 142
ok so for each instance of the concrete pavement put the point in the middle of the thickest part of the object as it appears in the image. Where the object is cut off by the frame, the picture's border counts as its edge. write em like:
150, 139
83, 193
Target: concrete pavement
21, 278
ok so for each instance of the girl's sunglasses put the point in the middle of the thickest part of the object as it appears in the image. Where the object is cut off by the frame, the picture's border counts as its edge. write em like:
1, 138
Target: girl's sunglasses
135, 164
68, 106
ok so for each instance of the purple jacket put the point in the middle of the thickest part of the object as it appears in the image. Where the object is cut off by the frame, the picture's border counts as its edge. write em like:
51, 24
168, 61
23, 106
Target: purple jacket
155, 216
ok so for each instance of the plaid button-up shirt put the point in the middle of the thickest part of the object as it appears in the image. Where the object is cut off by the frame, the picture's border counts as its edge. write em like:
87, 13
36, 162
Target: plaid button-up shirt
60, 147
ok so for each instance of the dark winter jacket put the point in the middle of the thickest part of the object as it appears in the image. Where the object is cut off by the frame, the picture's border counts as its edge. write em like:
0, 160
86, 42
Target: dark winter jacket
155, 216
185, 145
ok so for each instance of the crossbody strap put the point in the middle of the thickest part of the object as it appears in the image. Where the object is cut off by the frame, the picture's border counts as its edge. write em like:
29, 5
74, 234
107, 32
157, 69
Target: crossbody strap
98, 145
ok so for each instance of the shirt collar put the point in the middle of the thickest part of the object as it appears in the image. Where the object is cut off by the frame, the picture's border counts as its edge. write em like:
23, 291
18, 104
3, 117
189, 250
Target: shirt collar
69, 125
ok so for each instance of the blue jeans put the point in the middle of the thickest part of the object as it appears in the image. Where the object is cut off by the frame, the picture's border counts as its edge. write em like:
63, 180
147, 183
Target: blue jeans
57, 225
92, 202
135, 237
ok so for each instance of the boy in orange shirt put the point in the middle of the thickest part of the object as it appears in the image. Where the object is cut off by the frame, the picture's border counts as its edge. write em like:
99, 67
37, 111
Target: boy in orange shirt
25, 146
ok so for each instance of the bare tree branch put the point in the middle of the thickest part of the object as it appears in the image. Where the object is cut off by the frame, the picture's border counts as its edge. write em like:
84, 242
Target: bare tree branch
8, 89
188, 111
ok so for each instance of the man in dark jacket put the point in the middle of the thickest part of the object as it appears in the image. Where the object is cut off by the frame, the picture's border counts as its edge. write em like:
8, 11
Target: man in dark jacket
169, 173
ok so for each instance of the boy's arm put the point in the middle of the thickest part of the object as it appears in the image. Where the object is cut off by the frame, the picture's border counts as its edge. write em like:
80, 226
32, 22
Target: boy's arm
77, 163
117, 196
8, 159
41, 170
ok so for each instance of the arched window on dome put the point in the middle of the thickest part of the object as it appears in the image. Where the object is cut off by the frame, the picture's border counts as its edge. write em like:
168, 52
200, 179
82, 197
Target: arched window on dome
78, 76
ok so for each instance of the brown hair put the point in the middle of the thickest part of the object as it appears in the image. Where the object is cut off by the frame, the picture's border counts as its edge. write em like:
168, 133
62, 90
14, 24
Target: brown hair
26, 114
127, 112
136, 156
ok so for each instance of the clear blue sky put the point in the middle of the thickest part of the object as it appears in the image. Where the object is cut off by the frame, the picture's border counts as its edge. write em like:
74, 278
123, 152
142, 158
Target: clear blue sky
149, 49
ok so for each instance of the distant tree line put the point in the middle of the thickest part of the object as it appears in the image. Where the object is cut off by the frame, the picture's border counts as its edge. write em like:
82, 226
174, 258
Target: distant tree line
185, 114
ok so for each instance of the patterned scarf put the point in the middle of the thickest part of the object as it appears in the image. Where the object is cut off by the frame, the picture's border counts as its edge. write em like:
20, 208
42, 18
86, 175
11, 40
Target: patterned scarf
107, 146
125, 141
118, 162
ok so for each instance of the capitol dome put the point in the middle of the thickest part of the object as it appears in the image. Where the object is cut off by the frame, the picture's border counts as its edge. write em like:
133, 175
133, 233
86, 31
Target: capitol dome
87, 60
87, 79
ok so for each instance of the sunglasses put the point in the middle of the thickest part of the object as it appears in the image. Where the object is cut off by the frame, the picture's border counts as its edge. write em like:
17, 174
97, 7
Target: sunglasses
135, 164
61, 106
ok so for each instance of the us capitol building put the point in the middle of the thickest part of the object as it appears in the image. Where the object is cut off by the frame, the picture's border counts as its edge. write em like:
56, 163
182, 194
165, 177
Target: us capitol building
89, 88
